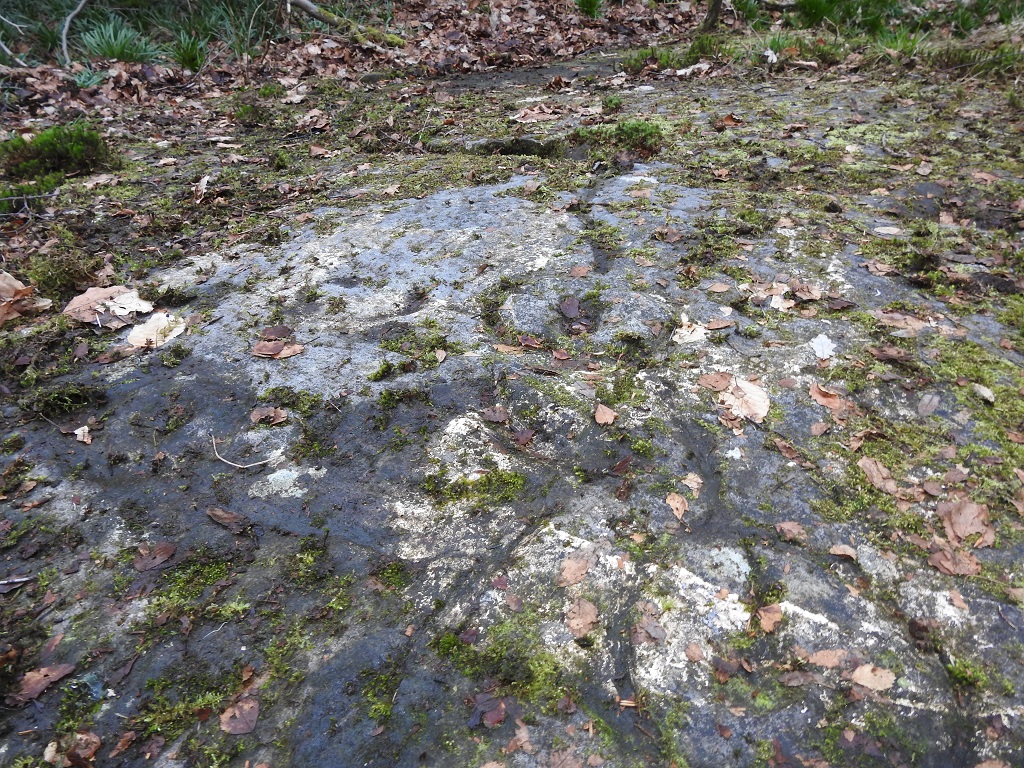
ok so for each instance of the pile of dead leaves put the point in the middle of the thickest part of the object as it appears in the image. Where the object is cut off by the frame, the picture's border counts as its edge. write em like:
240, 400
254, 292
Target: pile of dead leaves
444, 36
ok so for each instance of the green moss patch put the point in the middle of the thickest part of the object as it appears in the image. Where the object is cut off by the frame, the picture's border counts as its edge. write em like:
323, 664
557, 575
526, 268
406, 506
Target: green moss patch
496, 486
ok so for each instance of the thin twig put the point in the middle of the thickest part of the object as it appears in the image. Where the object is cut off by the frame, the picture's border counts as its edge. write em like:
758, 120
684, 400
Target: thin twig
64, 31
231, 463
214, 631
30, 197
10, 23
10, 53
1003, 617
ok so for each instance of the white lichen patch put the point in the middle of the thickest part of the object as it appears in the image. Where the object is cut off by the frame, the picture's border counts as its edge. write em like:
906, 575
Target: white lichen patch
285, 483
465, 448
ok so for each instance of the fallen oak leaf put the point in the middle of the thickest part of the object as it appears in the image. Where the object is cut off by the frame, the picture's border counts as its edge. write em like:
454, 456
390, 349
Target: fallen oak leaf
150, 558
581, 618
233, 521
277, 350
156, 331
604, 415
828, 659
747, 399
37, 681
791, 531
769, 616
878, 475
716, 382
678, 504
496, 414
872, 677
963, 518
955, 562
268, 415
843, 550
574, 569
240, 718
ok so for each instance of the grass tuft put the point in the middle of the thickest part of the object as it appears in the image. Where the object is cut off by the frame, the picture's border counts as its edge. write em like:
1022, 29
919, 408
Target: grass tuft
115, 39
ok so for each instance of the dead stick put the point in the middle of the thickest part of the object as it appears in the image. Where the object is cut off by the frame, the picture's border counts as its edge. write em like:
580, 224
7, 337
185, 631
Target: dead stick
357, 32
64, 31
231, 463
10, 53
10, 23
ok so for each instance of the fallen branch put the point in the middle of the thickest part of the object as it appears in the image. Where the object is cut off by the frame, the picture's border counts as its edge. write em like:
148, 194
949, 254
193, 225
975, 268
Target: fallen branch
64, 31
30, 197
10, 23
10, 53
357, 32
231, 463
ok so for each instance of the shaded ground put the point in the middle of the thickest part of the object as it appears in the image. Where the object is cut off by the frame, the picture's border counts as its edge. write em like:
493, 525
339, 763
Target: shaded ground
446, 560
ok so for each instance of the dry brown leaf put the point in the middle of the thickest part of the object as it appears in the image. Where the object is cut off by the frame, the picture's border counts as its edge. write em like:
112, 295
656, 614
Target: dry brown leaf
37, 681
233, 521
268, 415
878, 475
770, 616
955, 562
156, 331
574, 569
908, 323
582, 618
840, 408
875, 678
786, 449
604, 415
153, 557
536, 114
694, 652
16, 298
278, 350
126, 740
564, 758
496, 414
240, 718
843, 550
828, 659
963, 518
746, 399
678, 503
791, 531
694, 482
716, 382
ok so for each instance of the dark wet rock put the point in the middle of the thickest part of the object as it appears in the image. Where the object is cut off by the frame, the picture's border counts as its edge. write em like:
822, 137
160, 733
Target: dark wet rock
517, 145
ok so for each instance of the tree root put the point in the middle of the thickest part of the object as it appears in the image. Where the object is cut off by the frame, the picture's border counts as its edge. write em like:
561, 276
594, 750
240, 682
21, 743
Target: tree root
357, 32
